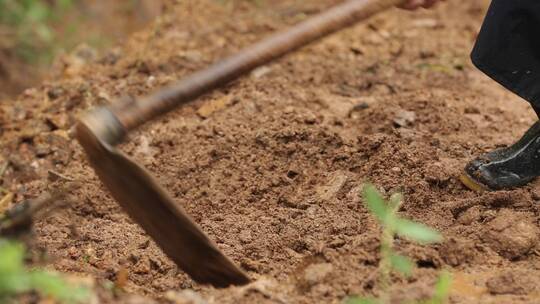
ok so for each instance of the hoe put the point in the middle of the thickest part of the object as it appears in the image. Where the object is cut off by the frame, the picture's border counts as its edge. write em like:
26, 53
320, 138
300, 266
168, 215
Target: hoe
133, 187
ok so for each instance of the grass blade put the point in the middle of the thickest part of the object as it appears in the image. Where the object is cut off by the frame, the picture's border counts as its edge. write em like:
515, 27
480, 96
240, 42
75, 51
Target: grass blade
401, 264
417, 232
442, 288
375, 203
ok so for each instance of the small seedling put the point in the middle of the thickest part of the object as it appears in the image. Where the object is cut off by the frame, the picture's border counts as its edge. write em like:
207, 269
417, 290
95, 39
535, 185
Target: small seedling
392, 225
16, 279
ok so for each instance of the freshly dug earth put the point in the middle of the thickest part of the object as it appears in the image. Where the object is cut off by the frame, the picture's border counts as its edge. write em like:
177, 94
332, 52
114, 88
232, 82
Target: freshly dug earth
271, 165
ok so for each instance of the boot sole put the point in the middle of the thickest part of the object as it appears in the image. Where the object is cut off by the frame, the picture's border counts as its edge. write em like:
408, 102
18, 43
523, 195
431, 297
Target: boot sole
472, 184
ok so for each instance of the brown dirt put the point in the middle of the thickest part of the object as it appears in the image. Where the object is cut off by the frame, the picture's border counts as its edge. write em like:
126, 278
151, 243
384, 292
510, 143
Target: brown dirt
271, 170
95, 23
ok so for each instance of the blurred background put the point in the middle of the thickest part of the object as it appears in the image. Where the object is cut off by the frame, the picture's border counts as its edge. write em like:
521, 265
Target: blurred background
35, 34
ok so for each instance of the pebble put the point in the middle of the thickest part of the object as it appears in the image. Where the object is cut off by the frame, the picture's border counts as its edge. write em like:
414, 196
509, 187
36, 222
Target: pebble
336, 182
404, 118
261, 71
535, 194
214, 105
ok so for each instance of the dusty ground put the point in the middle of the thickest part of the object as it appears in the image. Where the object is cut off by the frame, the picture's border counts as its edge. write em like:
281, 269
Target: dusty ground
274, 176
97, 24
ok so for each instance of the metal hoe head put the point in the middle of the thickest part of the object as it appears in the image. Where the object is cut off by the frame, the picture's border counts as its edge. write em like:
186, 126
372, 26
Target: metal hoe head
152, 207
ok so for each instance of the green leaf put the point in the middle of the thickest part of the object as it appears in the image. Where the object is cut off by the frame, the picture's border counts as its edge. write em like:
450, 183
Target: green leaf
357, 300
375, 203
37, 12
395, 201
401, 264
11, 257
43, 32
417, 232
54, 286
16, 279
13, 283
442, 288
64, 4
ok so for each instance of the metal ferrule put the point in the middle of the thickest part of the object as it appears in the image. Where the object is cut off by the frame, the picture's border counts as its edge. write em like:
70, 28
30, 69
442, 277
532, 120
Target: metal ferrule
104, 125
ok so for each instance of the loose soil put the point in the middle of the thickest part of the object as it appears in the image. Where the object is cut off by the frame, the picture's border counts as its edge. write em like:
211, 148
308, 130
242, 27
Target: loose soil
271, 165
95, 23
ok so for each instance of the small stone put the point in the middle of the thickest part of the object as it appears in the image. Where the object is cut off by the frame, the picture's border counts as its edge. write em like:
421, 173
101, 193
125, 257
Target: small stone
288, 110
245, 236
535, 194
404, 118
55, 92
215, 105
151, 81
317, 273
335, 183
261, 71
359, 107
310, 118
396, 169
426, 23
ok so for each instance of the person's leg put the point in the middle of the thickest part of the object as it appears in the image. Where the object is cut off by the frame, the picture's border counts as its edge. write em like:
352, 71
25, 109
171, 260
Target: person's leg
508, 51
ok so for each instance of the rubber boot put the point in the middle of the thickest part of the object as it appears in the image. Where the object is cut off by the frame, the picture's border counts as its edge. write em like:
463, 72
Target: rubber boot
506, 168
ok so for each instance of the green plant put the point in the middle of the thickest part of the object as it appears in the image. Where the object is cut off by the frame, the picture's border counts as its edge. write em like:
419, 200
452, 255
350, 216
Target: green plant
28, 27
392, 225
16, 279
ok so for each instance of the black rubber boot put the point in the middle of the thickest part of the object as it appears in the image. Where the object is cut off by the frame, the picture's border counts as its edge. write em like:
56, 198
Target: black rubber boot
506, 168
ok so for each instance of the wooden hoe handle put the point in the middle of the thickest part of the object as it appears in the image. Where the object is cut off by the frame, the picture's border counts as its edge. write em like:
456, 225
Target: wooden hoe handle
133, 112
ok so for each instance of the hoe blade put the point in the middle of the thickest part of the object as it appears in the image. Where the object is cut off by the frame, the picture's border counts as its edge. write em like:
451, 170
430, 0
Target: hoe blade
156, 212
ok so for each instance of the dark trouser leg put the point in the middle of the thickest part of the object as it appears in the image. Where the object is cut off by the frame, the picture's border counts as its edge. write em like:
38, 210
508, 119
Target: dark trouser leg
508, 51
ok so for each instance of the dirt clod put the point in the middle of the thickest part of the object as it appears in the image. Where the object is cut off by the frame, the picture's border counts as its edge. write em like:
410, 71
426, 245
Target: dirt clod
513, 282
511, 234
458, 251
